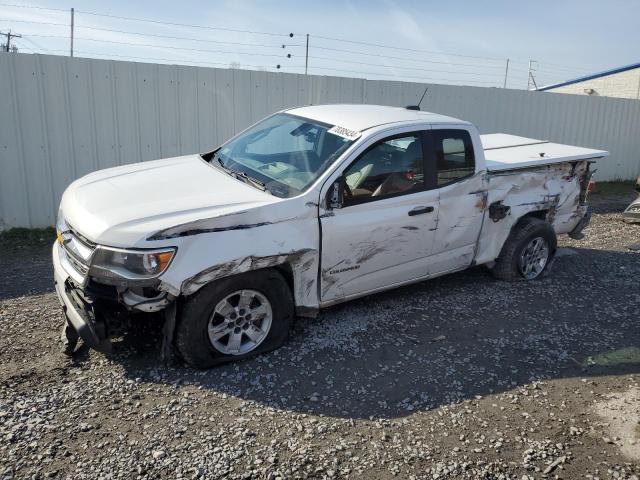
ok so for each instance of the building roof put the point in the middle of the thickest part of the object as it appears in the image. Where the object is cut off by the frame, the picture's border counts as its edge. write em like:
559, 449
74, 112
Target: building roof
591, 77
360, 117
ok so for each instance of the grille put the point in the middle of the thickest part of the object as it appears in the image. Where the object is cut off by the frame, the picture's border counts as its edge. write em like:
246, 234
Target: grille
85, 241
78, 250
76, 264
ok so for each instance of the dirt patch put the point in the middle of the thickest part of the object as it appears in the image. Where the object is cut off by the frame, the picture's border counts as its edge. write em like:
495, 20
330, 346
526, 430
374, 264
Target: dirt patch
621, 414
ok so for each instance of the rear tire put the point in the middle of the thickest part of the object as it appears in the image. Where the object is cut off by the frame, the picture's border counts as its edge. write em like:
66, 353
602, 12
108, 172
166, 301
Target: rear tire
528, 252
255, 309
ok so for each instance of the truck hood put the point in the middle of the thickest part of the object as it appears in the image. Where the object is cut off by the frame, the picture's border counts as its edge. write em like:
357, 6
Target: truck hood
122, 206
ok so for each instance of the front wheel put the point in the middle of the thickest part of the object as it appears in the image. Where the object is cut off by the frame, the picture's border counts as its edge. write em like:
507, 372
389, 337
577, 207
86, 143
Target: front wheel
528, 251
235, 318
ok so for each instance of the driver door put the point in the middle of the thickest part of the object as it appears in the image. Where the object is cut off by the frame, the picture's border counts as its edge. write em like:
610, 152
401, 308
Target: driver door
383, 233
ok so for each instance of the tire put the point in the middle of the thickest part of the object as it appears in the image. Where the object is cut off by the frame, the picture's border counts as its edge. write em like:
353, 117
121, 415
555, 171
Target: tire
527, 233
207, 313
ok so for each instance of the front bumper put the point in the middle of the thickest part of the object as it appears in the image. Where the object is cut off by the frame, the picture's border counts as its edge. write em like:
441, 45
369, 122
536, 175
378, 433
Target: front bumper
79, 312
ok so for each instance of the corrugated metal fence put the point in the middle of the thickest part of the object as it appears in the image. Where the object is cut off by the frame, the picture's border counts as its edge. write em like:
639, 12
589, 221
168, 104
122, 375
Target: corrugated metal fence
62, 117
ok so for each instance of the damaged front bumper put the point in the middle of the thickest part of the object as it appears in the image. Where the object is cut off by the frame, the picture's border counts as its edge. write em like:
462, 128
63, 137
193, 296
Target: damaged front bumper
96, 312
82, 318
78, 311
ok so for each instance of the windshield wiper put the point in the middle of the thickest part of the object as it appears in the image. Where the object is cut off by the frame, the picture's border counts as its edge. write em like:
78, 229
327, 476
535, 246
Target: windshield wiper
243, 176
253, 181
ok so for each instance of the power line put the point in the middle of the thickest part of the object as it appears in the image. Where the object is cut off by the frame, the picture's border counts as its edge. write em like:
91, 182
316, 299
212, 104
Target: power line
356, 42
170, 59
561, 69
182, 60
566, 67
162, 22
403, 76
553, 69
27, 39
274, 46
33, 21
33, 7
401, 67
198, 62
157, 46
560, 74
323, 37
135, 19
393, 57
39, 47
177, 60
257, 66
152, 34
185, 38
261, 54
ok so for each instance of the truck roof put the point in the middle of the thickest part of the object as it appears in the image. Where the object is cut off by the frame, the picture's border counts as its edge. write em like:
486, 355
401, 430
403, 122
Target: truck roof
361, 117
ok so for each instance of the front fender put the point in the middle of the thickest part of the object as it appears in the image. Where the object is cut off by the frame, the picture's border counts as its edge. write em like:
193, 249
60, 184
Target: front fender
203, 258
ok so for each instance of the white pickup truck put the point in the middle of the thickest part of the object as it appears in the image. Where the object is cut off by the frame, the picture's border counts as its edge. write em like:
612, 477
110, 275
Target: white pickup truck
307, 208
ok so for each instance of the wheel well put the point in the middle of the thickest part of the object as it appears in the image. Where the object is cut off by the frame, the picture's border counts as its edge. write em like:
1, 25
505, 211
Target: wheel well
541, 214
287, 272
284, 269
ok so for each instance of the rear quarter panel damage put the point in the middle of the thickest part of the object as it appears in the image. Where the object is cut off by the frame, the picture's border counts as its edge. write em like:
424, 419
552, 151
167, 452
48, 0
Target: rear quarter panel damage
554, 189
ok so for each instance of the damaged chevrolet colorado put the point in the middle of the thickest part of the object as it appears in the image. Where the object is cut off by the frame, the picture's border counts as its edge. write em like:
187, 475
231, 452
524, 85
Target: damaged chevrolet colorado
307, 208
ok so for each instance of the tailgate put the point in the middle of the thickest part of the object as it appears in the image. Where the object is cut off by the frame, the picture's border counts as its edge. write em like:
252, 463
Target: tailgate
509, 152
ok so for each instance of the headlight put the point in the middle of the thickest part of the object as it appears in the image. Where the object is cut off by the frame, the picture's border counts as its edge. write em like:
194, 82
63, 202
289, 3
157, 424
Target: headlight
130, 264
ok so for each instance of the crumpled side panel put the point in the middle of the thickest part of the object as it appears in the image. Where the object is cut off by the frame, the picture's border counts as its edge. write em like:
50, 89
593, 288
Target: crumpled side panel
553, 189
214, 252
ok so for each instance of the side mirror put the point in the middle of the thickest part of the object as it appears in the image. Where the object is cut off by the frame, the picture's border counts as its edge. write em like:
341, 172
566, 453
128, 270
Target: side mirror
336, 194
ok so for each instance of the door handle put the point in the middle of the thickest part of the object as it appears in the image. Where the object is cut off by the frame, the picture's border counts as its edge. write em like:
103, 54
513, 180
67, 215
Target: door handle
420, 211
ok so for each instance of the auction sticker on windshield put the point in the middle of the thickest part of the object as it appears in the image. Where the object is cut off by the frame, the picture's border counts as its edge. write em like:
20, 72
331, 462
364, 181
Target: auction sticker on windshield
344, 132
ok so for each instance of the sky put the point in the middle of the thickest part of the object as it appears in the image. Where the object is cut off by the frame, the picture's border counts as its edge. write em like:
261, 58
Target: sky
453, 42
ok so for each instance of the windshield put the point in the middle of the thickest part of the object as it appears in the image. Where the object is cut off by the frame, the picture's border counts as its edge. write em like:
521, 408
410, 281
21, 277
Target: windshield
283, 154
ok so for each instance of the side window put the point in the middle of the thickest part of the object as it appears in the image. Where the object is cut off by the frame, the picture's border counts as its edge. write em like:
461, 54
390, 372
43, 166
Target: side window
454, 155
390, 167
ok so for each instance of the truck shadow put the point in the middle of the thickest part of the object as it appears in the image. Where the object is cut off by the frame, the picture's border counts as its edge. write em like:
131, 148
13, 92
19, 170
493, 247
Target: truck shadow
435, 343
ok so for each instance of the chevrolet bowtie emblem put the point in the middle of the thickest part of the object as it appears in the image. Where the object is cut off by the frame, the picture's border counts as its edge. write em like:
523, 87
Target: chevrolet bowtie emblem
63, 237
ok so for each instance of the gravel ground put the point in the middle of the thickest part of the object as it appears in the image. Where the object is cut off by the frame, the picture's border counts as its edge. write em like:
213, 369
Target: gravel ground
459, 377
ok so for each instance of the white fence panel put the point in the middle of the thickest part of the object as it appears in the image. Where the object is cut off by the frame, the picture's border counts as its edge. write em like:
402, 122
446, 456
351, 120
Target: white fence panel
61, 118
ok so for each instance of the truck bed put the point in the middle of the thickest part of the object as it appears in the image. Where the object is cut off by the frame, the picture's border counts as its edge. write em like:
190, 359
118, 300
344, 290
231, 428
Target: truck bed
509, 152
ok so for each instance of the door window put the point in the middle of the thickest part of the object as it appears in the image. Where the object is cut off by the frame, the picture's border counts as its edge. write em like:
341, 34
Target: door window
454, 155
390, 167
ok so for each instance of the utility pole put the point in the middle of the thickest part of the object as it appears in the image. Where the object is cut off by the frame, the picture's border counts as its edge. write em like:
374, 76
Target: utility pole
7, 46
306, 56
506, 72
72, 15
530, 78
